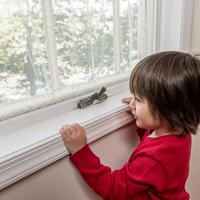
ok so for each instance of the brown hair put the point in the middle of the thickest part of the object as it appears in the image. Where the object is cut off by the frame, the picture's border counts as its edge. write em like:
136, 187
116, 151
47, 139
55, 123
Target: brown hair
170, 81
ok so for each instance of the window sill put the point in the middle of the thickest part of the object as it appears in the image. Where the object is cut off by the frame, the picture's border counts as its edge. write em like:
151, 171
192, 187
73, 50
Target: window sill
28, 148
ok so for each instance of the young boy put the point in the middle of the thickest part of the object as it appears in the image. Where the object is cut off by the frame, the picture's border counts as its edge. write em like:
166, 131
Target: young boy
165, 103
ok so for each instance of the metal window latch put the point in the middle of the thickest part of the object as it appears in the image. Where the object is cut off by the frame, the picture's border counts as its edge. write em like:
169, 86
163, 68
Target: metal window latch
97, 97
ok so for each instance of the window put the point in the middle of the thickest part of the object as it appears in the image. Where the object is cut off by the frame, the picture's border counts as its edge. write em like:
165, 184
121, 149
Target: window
49, 46
23, 58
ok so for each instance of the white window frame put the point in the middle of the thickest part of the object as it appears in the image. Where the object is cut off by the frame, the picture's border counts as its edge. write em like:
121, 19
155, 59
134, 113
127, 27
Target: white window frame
50, 43
31, 141
174, 25
14, 109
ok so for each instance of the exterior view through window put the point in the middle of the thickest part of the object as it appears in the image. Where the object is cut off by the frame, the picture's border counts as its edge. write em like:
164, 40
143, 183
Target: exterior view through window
47, 45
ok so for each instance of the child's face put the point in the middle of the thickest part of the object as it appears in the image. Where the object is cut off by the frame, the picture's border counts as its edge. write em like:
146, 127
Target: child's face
141, 111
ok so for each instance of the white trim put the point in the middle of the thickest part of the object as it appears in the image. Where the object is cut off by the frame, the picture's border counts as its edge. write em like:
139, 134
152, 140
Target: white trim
47, 12
186, 29
174, 19
157, 24
40, 144
116, 35
142, 29
151, 6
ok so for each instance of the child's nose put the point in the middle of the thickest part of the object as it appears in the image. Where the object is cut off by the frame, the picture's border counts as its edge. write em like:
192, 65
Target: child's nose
132, 104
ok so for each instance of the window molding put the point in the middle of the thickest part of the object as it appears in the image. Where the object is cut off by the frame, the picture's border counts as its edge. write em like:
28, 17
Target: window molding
49, 148
174, 21
186, 28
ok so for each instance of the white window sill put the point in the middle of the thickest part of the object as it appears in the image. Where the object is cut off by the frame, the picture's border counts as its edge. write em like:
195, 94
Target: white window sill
29, 146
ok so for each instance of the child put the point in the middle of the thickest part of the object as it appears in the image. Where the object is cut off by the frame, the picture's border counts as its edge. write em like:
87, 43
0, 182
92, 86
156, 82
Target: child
166, 106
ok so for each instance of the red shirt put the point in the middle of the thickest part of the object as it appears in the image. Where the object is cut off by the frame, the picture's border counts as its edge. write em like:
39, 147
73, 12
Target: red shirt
157, 170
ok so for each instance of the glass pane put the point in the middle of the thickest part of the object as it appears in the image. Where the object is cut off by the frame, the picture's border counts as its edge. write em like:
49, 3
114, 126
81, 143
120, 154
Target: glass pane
129, 32
23, 63
84, 39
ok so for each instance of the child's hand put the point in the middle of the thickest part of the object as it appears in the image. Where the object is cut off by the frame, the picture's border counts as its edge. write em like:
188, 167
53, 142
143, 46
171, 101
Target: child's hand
74, 137
126, 100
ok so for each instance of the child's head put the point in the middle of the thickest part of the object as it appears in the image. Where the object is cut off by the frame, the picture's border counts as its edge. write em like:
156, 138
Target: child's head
170, 82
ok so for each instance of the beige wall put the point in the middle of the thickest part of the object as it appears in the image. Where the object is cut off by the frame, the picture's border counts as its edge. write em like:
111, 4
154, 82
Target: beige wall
61, 181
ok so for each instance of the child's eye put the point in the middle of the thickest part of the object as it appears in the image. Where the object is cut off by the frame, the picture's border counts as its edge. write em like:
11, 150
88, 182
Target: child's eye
137, 99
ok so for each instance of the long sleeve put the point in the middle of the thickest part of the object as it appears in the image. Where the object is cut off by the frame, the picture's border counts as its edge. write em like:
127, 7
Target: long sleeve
134, 178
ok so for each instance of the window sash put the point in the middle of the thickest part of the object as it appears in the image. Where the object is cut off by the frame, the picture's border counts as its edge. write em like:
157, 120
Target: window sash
51, 43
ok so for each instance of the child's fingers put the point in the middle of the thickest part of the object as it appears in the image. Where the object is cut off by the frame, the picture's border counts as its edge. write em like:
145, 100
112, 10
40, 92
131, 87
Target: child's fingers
62, 134
80, 128
126, 100
65, 133
66, 129
72, 129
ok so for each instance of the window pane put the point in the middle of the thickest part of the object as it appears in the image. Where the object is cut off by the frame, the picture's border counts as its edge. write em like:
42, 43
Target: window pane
23, 63
129, 32
84, 36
